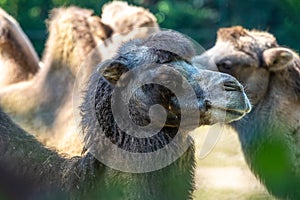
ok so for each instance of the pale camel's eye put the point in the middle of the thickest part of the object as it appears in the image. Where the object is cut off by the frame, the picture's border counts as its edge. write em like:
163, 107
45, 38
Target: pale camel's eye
224, 65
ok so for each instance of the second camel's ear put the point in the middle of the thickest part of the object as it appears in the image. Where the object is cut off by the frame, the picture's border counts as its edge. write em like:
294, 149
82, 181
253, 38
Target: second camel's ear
112, 70
278, 58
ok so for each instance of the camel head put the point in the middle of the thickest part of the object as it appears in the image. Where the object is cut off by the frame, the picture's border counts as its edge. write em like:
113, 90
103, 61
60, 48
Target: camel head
158, 71
148, 97
250, 56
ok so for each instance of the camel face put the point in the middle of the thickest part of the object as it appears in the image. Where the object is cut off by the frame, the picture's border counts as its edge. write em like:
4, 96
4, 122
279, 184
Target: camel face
202, 96
249, 56
144, 76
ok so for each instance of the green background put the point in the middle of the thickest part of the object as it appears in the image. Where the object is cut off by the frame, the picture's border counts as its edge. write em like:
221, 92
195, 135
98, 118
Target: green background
199, 19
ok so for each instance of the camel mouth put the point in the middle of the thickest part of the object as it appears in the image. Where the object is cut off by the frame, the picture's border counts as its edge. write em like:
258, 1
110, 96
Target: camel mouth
213, 115
236, 112
235, 106
229, 115
235, 115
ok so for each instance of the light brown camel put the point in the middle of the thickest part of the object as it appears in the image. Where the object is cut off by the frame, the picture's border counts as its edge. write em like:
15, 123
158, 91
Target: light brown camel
43, 106
270, 133
18, 60
123, 18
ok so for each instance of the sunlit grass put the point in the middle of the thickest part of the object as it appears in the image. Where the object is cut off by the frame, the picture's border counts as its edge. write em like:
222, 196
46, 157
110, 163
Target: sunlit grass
223, 173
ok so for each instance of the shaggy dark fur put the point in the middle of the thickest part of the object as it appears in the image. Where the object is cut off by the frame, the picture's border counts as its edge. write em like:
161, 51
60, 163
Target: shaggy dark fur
178, 175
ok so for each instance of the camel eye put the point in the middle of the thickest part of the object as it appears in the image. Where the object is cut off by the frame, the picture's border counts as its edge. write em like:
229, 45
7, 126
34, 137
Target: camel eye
224, 65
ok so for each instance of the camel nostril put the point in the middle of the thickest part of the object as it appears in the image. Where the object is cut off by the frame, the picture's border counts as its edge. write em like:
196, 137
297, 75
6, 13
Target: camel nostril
232, 86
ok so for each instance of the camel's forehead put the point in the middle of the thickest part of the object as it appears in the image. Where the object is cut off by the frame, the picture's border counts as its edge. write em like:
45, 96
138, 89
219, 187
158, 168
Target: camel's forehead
241, 38
180, 67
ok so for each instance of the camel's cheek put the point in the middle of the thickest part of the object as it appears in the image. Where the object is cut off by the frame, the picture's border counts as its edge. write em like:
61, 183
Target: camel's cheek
255, 82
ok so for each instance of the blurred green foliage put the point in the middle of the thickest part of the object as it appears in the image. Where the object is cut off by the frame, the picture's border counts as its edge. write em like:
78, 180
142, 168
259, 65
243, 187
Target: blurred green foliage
200, 19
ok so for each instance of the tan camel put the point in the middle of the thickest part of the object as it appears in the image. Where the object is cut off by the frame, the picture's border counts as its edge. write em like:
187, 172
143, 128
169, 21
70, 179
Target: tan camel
43, 106
270, 133
18, 60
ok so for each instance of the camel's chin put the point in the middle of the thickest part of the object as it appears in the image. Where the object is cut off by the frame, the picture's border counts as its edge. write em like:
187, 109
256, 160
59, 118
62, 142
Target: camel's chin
234, 115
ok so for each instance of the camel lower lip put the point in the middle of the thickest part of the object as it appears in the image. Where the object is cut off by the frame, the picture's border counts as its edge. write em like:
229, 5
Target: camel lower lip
234, 115
235, 112
228, 115
231, 111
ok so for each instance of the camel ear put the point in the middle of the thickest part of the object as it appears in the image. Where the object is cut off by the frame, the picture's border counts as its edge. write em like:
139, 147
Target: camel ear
112, 70
278, 58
